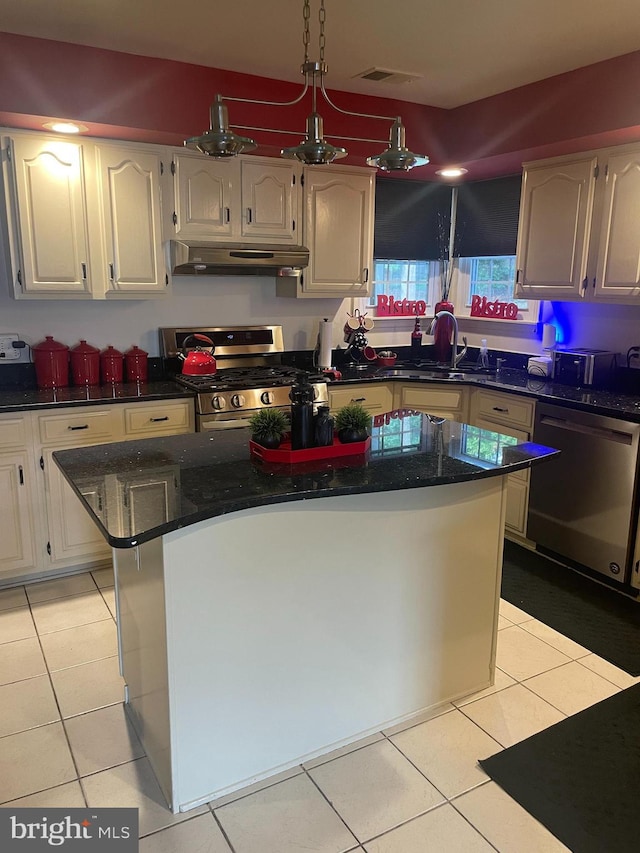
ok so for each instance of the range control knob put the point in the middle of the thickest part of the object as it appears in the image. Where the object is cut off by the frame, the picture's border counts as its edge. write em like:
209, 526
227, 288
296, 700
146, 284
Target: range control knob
267, 397
218, 402
237, 401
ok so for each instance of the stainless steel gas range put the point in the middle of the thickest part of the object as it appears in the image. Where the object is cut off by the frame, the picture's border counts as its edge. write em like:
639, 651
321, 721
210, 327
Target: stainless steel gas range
249, 373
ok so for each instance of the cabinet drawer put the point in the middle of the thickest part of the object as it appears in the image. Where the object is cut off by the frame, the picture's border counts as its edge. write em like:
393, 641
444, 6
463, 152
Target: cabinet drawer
77, 427
374, 398
431, 399
508, 409
13, 433
171, 417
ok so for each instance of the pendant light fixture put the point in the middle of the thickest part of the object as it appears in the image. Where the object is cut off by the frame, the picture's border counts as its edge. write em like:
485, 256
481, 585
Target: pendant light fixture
314, 150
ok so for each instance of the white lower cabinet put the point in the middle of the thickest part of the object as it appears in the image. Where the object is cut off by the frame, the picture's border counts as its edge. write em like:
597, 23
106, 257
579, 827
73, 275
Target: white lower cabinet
43, 527
374, 397
511, 415
444, 400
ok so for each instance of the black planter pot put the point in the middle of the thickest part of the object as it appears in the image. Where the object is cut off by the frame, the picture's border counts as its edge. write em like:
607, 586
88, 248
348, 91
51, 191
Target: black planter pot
348, 436
271, 442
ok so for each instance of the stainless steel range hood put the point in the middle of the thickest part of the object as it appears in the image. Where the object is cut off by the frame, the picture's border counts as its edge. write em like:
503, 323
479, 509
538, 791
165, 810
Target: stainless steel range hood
201, 258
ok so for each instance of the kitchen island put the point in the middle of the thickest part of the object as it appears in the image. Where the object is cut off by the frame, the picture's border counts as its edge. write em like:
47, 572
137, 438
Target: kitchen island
270, 613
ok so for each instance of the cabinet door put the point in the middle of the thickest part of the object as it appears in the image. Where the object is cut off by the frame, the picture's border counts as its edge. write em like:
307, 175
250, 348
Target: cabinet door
338, 230
554, 229
446, 401
618, 265
73, 536
517, 483
129, 183
207, 196
16, 517
374, 397
51, 217
269, 196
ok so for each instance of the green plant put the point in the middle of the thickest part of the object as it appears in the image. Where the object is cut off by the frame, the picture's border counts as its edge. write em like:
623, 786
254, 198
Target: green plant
354, 417
268, 424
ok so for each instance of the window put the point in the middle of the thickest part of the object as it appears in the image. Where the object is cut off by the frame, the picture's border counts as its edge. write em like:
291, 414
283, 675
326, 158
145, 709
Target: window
493, 278
404, 279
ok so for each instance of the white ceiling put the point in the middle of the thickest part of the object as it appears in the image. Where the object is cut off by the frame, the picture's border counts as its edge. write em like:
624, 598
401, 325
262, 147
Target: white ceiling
463, 50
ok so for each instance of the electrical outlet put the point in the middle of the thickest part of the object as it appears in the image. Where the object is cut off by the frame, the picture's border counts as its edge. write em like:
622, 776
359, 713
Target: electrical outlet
7, 351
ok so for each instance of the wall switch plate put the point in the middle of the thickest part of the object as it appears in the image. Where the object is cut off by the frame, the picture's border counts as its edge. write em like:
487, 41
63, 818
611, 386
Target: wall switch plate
7, 350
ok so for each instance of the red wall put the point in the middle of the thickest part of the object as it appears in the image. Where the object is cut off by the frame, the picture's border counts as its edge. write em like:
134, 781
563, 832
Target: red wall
120, 95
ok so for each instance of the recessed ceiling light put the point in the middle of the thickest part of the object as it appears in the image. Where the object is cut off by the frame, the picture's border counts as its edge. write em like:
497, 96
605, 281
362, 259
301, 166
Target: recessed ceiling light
452, 172
65, 127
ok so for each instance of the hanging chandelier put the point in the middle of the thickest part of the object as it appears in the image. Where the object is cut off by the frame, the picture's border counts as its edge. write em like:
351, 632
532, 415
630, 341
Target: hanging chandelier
314, 150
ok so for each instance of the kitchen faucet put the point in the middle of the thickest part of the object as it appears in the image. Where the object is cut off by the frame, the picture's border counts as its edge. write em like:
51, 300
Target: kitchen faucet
456, 357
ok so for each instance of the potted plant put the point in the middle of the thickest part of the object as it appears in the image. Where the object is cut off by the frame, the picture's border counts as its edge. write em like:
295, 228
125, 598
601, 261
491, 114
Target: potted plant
268, 426
352, 423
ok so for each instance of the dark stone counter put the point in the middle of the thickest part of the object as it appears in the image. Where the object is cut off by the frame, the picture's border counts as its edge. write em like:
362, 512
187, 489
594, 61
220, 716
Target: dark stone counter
597, 400
188, 478
20, 400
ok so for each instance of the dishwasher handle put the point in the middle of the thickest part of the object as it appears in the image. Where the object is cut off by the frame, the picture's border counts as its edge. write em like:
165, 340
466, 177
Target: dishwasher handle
586, 429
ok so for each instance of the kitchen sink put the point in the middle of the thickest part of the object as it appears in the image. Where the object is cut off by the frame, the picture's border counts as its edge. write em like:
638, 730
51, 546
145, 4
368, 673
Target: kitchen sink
436, 372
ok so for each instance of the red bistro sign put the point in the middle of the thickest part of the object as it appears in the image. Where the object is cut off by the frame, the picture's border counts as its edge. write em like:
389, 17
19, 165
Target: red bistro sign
387, 306
481, 307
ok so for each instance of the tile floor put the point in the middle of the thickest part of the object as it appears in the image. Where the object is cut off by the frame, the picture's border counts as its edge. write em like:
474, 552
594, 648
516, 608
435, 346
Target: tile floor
65, 741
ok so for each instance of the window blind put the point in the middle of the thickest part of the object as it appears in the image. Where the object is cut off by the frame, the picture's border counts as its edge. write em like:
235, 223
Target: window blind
412, 219
487, 217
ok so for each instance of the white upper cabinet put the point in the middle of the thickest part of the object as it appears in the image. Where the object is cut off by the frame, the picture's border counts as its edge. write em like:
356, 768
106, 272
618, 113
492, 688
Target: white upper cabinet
618, 261
207, 195
129, 185
578, 235
84, 218
338, 207
554, 228
269, 200
47, 183
244, 199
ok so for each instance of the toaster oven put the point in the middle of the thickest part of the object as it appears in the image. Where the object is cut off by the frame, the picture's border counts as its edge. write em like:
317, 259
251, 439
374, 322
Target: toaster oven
584, 366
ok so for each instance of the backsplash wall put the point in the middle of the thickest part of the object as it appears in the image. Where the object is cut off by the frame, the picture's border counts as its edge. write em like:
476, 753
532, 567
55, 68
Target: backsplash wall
251, 300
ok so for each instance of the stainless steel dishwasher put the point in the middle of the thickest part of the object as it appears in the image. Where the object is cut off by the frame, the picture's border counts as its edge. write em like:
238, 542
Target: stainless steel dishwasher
582, 504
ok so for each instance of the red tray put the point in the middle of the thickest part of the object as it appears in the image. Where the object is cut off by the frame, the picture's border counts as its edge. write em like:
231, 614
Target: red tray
285, 454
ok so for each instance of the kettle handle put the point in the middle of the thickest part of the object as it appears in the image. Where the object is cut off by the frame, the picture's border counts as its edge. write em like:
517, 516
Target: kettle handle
198, 337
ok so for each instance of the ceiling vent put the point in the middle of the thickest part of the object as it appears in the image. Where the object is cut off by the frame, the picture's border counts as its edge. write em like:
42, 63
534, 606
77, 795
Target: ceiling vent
385, 75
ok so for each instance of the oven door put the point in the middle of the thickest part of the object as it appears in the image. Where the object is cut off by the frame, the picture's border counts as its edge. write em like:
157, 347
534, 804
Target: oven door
227, 420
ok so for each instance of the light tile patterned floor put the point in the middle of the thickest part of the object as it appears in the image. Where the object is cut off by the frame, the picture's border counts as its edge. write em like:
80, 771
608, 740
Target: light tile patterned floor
65, 741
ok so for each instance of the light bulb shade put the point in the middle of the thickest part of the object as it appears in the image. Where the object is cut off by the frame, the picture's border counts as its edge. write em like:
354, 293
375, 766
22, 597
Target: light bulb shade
219, 140
397, 157
314, 151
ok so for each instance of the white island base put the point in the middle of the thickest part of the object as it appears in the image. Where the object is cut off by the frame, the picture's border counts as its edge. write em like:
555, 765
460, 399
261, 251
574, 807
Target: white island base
253, 641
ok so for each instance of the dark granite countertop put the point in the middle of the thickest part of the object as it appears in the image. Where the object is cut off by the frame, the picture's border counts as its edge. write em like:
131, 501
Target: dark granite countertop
204, 475
17, 400
599, 401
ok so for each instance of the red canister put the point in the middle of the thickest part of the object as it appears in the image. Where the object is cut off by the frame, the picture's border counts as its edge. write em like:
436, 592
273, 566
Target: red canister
111, 365
85, 364
51, 360
135, 365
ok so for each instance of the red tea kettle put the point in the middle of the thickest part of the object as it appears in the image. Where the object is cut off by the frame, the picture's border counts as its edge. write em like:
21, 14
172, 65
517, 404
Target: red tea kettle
197, 361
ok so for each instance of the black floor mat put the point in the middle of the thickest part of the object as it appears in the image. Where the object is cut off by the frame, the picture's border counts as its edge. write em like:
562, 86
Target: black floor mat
600, 619
581, 777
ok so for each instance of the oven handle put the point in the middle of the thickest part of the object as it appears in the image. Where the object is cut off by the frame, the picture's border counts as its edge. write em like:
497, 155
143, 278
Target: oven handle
236, 423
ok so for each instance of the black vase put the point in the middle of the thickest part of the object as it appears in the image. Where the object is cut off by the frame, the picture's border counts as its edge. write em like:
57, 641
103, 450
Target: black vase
271, 442
348, 436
